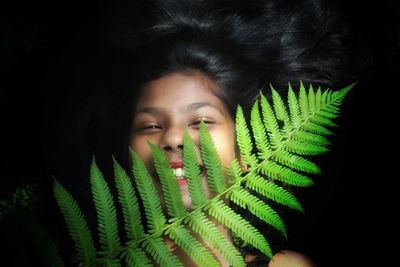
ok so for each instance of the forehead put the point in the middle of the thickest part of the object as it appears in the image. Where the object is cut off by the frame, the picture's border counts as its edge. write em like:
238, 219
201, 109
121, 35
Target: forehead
179, 88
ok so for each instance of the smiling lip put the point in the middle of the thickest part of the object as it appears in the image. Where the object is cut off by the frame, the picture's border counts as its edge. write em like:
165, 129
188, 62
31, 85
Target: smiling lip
176, 164
179, 164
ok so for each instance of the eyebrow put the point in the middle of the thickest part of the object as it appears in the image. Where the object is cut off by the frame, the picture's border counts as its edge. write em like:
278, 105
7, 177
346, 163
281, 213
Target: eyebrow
150, 110
190, 107
197, 105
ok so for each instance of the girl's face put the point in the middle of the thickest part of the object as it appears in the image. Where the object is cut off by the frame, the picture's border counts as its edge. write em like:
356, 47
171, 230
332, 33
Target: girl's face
170, 105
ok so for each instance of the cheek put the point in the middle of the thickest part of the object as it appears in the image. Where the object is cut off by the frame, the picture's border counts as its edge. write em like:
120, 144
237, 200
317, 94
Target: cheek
225, 145
141, 147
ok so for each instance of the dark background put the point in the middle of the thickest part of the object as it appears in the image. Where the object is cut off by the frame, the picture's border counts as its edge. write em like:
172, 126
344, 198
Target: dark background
45, 47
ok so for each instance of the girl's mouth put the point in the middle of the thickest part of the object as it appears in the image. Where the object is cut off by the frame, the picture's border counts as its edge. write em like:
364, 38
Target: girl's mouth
179, 172
180, 176
177, 167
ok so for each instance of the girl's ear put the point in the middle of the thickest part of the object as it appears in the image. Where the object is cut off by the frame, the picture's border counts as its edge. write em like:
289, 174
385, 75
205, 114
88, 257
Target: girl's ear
243, 165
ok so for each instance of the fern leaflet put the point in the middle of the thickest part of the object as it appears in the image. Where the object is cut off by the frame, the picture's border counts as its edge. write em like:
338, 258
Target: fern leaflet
211, 160
193, 173
106, 212
154, 214
169, 186
77, 225
130, 206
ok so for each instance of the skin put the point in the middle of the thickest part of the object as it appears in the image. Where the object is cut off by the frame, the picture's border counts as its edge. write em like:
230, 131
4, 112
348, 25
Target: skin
179, 101
287, 258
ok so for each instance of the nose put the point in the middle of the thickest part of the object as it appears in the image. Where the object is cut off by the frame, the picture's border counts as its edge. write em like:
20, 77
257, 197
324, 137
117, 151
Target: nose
172, 140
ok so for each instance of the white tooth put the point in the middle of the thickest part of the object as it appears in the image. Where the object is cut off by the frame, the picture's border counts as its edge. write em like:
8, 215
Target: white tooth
179, 172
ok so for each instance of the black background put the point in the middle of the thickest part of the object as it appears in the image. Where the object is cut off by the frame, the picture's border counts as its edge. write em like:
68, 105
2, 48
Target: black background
349, 212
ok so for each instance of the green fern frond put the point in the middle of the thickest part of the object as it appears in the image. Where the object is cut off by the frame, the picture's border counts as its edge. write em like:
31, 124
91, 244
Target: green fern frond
264, 212
303, 102
193, 173
274, 145
280, 111
242, 228
128, 200
273, 192
296, 162
171, 191
212, 163
52, 257
329, 112
318, 99
211, 234
234, 172
323, 121
326, 95
316, 128
311, 100
294, 108
77, 225
191, 246
312, 138
284, 174
152, 205
303, 148
270, 123
260, 135
106, 212
342, 93
136, 257
160, 253
243, 138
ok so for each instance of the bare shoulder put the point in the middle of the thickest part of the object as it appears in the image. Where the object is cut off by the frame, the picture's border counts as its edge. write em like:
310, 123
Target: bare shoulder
290, 258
